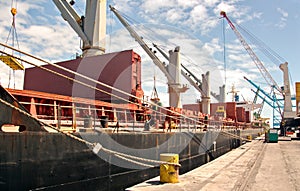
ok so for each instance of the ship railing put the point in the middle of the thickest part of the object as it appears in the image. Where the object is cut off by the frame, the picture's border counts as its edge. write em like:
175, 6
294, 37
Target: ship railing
76, 116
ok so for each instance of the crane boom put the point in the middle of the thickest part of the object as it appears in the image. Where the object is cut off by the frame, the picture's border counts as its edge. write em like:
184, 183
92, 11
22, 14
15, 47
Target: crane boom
171, 71
189, 76
267, 76
156, 61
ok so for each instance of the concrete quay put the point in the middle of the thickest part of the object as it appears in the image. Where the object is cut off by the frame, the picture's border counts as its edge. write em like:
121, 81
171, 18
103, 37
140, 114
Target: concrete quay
253, 166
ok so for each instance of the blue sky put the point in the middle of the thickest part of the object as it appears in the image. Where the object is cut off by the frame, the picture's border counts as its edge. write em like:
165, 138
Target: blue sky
193, 25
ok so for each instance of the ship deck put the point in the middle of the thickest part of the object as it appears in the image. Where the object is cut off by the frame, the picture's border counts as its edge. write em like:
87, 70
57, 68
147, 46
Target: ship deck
253, 166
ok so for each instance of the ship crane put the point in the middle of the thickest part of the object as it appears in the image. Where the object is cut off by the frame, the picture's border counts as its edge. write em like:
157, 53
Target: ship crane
171, 71
91, 28
175, 67
202, 86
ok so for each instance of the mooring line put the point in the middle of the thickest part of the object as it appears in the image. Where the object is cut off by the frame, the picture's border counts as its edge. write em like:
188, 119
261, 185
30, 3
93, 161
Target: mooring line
96, 147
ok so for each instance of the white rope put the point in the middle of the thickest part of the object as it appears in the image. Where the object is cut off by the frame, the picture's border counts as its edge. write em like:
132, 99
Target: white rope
76, 74
96, 147
95, 88
48, 125
235, 136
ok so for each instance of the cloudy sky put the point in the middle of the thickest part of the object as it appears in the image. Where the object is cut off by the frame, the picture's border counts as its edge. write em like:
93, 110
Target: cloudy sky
194, 25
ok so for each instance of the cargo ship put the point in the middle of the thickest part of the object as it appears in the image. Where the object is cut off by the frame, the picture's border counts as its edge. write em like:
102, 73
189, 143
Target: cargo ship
84, 124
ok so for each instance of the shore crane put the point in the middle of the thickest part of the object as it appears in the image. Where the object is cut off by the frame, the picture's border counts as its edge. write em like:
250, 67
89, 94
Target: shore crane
266, 75
288, 116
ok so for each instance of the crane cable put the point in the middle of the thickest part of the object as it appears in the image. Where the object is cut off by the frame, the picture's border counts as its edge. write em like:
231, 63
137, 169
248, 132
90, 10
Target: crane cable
96, 147
149, 39
265, 49
224, 50
14, 36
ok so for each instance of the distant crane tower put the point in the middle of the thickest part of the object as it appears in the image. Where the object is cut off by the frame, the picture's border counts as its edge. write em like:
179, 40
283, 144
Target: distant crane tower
235, 96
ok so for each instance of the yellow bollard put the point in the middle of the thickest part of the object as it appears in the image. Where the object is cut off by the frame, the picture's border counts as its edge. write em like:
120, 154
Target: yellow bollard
169, 173
249, 137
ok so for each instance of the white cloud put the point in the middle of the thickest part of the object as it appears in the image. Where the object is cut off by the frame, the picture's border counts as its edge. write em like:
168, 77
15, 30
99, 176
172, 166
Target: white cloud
187, 4
153, 6
284, 15
224, 6
198, 13
282, 12
174, 16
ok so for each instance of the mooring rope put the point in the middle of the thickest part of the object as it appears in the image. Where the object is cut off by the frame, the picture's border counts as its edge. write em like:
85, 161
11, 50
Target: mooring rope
235, 136
82, 76
96, 147
95, 88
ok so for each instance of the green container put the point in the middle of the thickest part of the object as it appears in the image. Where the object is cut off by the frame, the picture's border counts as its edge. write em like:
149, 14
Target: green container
272, 136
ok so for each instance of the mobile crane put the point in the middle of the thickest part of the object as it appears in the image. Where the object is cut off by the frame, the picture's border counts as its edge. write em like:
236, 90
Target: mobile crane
288, 116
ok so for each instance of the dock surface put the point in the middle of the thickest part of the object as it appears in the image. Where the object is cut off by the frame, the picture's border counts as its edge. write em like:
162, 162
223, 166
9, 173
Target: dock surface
253, 166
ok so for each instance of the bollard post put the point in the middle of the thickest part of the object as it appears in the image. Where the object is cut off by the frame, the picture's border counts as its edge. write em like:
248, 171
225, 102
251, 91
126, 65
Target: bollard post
169, 173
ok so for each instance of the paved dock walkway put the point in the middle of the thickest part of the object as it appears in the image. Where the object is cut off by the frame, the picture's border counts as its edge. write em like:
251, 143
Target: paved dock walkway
253, 166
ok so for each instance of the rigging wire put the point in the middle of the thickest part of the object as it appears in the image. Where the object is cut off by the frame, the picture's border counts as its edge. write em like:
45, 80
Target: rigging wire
92, 80
224, 50
265, 49
143, 29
